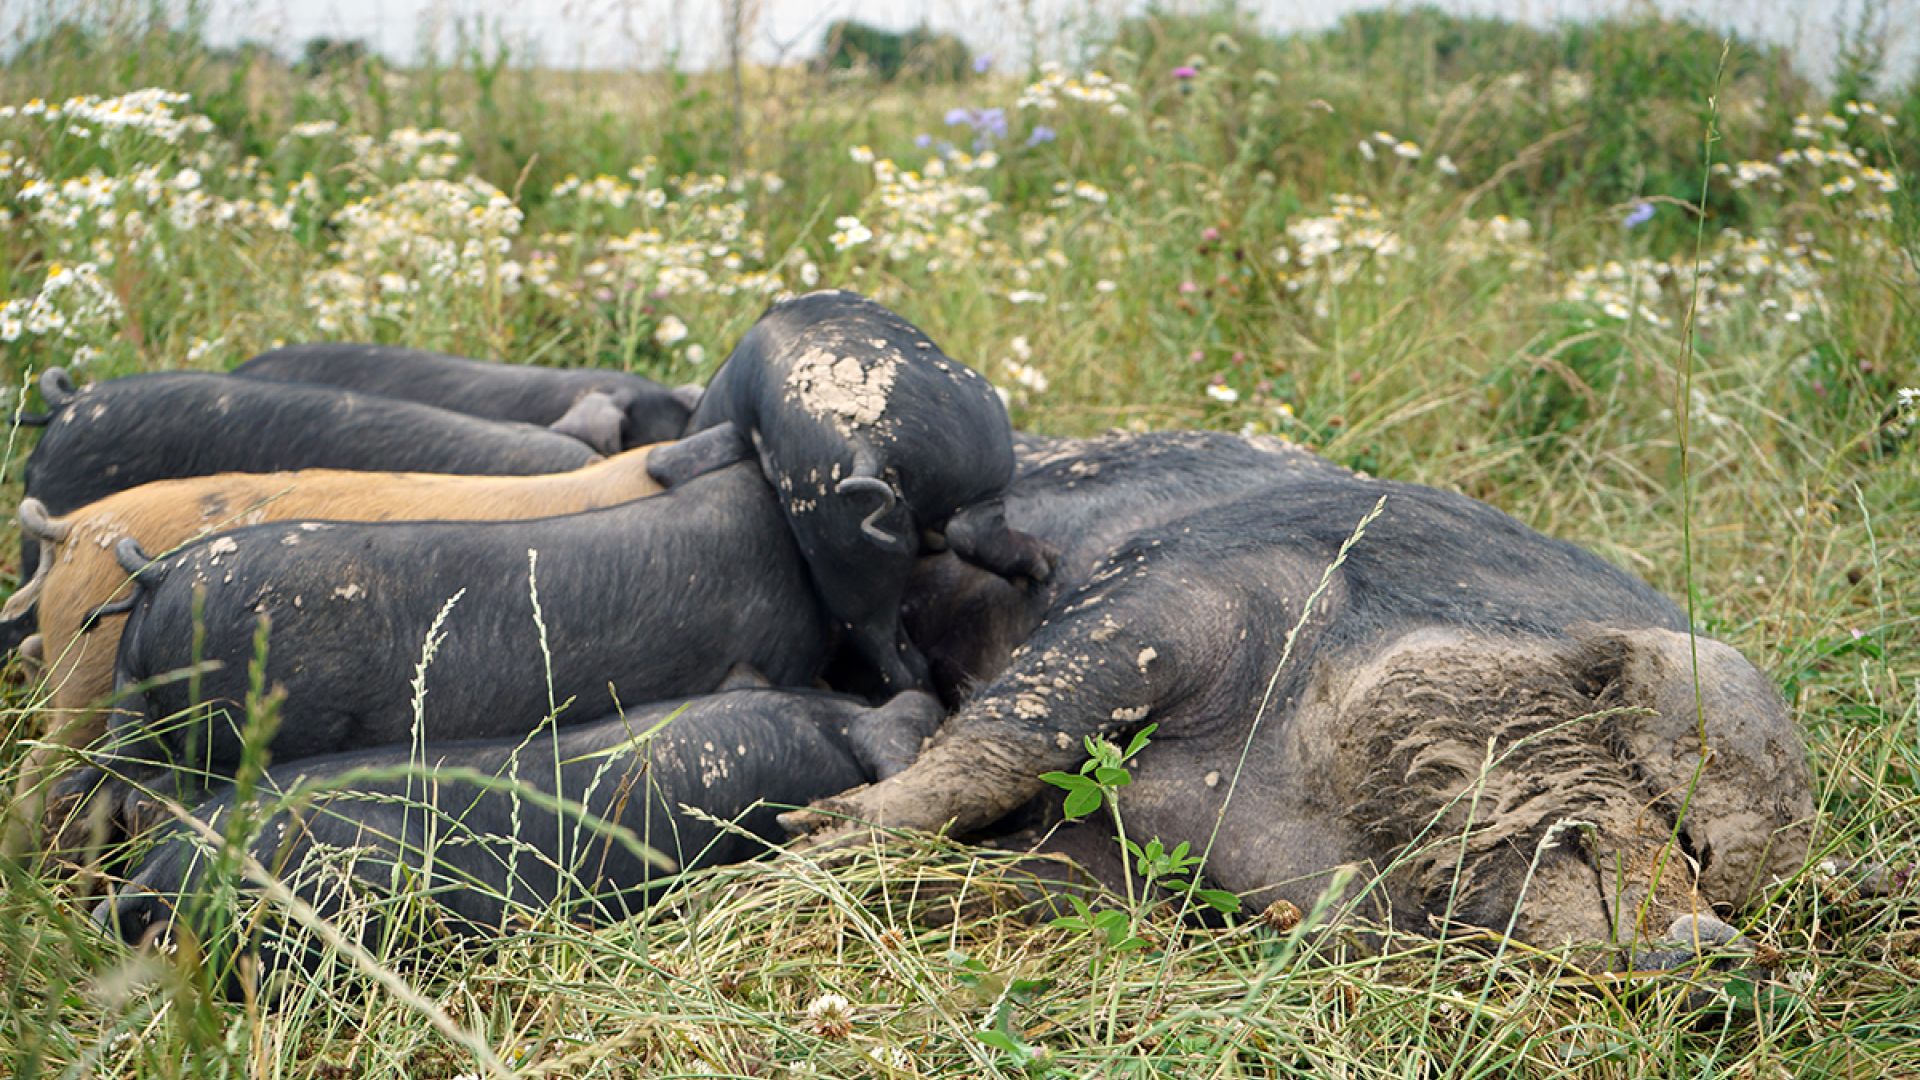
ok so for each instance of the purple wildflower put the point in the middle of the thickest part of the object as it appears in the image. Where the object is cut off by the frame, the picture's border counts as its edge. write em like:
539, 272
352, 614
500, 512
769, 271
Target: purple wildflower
1641, 213
987, 124
981, 63
1185, 71
923, 140
1041, 134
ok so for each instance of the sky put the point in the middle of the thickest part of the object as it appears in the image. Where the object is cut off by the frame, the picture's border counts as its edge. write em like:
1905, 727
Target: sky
627, 34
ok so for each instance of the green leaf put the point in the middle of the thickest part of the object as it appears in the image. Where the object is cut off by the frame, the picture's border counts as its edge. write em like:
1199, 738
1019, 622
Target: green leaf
1083, 801
1139, 741
1003, 1042
1219, 900
1025, 988
1103, 752
1065, 780
1742, 991
1112, 776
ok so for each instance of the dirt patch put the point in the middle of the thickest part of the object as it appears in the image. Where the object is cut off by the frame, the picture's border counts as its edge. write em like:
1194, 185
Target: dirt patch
1493, 768
842, 390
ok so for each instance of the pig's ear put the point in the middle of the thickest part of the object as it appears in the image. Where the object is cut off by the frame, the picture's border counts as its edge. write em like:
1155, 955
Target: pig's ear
34, 652
596, 419
689, 395
673, 464
980, 535
744, 676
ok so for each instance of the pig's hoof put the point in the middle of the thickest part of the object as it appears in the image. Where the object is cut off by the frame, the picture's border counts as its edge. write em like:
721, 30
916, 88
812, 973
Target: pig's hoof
1694, 938
137, 916
823, 815
71, 801
803, 822
832, 846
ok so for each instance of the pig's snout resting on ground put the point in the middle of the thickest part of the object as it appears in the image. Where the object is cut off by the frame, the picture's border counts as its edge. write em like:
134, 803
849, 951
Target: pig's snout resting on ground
481, 850
79, 576
871, 434
1448, 628
640, 602
608, 410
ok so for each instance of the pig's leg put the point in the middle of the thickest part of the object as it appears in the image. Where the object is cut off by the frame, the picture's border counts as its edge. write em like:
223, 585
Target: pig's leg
1123, 648
886, 740
70, 724
698, 454
980, 534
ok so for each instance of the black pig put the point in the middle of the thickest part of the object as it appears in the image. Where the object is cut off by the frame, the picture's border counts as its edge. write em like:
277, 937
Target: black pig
122, 433
637, 602
609, 410
871, 434
481, 851
1500, 726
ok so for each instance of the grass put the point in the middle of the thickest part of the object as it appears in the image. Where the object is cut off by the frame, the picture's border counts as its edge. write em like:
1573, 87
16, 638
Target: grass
1708, 398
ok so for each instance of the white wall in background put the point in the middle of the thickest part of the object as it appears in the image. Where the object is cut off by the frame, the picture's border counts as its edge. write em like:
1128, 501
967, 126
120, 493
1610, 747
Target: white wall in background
646, 33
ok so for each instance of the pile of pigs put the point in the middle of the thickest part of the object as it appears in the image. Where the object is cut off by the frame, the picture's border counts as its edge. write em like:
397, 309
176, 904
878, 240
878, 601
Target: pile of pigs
836, 580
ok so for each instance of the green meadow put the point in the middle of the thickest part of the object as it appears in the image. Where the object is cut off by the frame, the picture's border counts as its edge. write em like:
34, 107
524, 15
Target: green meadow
1642, 286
